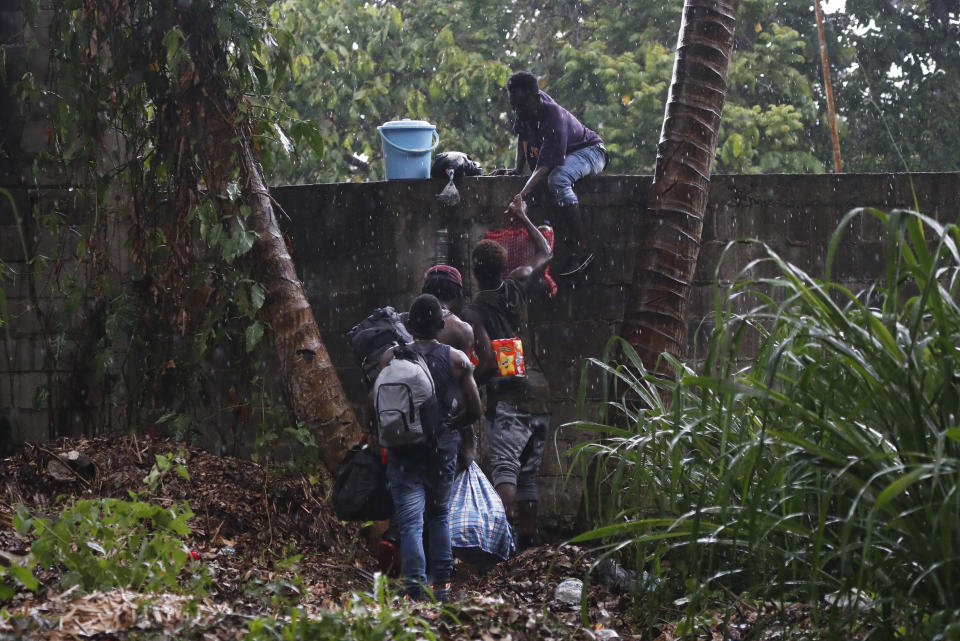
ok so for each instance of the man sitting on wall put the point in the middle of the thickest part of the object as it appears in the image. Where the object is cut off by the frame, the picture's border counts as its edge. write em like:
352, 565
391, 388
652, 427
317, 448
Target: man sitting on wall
560, 150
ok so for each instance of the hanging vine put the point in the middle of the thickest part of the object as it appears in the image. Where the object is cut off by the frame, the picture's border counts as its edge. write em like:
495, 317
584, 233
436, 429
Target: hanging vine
148, 101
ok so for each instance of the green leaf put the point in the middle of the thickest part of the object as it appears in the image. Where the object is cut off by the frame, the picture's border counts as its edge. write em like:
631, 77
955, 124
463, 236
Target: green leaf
96, 547
162, 461
258, 294
172, 41
899, 486
284, 139
332, 58
22, 520
24, 576
736, 143
253, 334
310, 131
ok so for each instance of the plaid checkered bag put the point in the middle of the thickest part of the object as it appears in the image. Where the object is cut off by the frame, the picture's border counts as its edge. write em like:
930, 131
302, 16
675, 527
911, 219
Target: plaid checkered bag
479, 531
520, 249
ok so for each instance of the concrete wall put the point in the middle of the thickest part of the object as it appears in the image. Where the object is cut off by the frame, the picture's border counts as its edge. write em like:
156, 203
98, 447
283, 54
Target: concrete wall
24, 133
361, 246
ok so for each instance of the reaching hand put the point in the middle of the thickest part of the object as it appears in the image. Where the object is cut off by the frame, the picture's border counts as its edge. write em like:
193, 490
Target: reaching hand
516, 211
504, 172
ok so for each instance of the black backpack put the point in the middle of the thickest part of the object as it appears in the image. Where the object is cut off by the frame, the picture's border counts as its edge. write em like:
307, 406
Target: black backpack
360, 491
459, 162
372, 336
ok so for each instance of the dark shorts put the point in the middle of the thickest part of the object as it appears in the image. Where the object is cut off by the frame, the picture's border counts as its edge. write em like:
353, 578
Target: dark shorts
517, 440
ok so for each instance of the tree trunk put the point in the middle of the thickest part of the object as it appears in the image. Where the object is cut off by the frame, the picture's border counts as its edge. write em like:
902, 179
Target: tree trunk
655, 315
222, 139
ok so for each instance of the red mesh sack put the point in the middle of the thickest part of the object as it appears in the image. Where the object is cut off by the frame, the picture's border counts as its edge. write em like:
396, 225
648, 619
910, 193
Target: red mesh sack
520, 249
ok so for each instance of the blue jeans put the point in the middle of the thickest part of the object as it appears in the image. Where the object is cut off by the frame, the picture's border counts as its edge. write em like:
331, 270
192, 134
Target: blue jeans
582, 162
420, 486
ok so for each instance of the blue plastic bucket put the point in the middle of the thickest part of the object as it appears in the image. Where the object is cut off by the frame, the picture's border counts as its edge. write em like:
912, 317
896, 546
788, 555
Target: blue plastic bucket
407, 146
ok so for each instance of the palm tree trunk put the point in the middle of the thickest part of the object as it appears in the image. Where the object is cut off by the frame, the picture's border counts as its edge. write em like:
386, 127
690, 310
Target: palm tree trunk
655, 315
221, 135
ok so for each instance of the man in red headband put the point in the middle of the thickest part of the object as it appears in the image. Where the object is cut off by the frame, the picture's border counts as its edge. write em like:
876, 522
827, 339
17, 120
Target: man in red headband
445, 282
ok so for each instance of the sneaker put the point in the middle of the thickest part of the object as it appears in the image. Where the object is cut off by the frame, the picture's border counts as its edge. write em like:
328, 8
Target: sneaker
577, 263
414, 595
441, 592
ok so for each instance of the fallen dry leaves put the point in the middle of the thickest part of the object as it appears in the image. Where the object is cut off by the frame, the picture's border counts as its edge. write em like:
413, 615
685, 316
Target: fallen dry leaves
245, 522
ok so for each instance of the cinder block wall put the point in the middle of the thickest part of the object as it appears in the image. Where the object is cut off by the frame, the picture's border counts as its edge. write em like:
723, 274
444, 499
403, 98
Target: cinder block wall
358, 246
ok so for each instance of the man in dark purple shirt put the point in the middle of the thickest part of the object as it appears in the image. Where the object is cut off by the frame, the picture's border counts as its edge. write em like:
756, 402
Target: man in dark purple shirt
560, 151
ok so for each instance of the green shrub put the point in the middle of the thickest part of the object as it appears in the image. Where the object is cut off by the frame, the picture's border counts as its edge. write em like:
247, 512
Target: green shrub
364, 618
100, 544
105, 543
830, 464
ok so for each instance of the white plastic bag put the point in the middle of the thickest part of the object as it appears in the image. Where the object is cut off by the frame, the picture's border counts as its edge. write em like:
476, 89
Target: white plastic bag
479, 531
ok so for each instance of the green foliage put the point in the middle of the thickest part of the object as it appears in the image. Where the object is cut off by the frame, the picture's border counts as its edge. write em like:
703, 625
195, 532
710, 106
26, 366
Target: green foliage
359, 64
364, 618
280, 587
900, 90
101, 544
165, 463
173, 312
770, 108
106, 543
831, 464
14, 575
292, 450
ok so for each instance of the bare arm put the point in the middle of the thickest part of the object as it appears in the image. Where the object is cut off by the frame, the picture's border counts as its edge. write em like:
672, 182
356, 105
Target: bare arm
538, 176
542, 254
463, 373
486, 359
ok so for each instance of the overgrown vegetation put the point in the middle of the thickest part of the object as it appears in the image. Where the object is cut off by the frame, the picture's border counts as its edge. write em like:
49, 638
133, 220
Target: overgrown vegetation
141, 544
159, 325
827, 470
105, 543
362, 618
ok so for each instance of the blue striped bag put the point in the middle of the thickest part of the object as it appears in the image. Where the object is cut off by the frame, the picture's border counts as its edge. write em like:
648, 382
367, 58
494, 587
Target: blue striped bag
479, 531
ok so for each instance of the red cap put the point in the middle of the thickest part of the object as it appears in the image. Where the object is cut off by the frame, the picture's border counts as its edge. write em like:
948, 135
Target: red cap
444, 271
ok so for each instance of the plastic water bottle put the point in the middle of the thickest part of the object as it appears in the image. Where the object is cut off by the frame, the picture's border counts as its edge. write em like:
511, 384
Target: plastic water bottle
569, 591
443, 247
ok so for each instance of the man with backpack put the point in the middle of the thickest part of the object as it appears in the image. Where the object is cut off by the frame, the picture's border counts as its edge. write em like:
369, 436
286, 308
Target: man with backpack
518, 406
446, 283
413, 400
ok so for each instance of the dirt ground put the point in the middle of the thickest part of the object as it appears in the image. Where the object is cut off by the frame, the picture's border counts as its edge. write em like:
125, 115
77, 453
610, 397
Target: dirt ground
245, 523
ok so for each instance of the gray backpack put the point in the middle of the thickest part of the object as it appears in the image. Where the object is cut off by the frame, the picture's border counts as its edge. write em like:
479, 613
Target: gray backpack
405, 401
